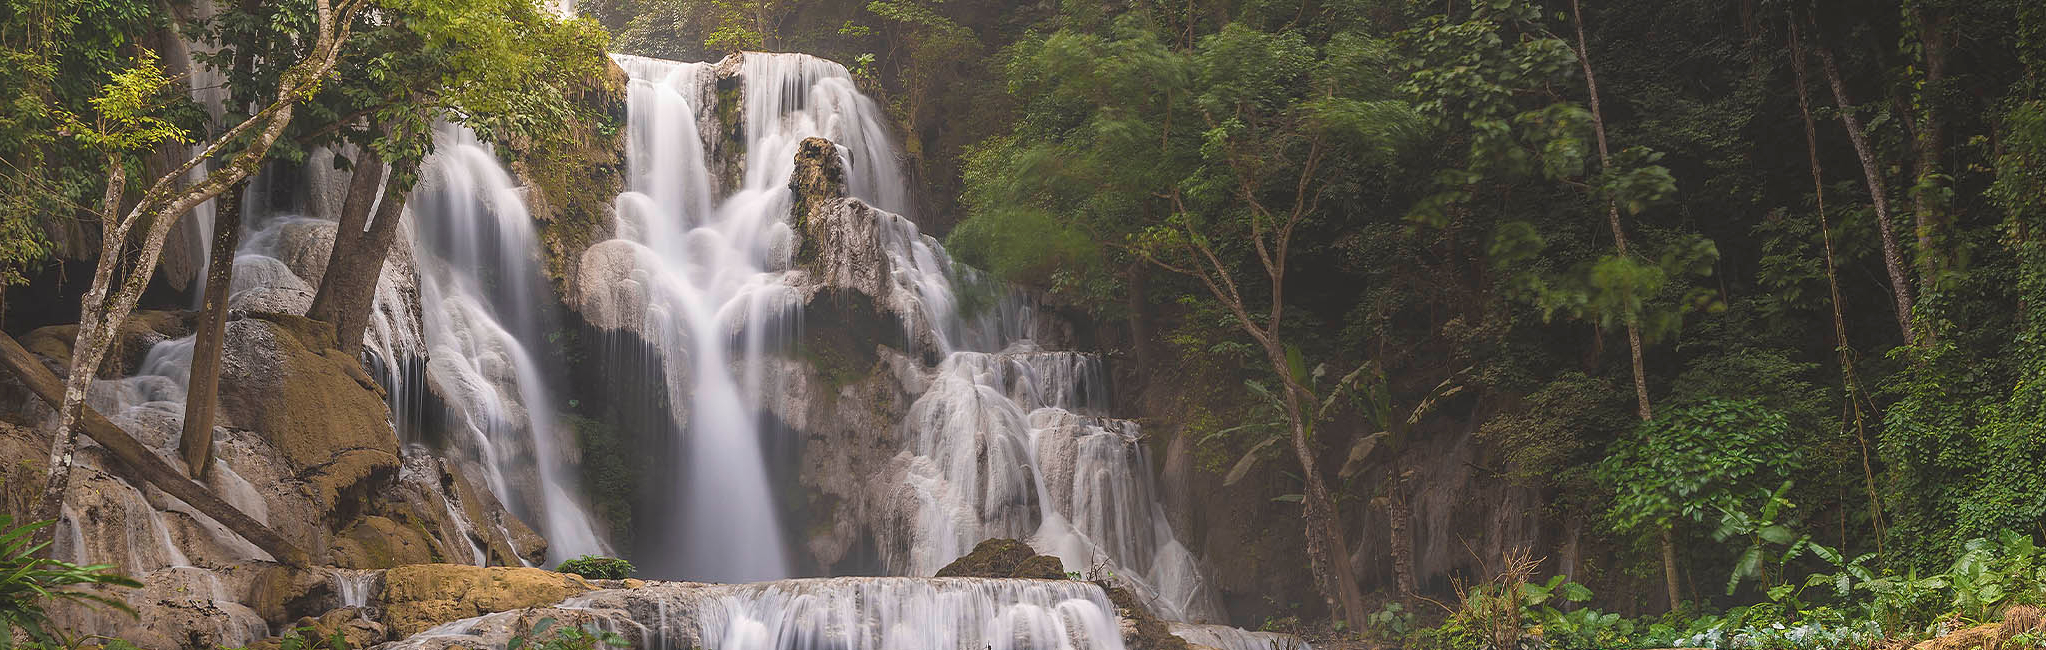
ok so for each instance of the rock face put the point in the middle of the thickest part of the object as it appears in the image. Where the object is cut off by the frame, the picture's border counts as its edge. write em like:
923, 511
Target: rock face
282, 378
418, 597
569, 187
304, 445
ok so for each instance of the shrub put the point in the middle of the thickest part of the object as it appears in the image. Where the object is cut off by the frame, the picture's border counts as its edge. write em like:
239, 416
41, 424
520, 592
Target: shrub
546, 636
597, 567
28, 583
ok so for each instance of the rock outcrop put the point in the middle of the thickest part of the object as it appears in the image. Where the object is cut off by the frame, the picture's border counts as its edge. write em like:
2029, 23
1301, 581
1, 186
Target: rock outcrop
569, 182
282, 378
418, 597
1004, 558
304, 446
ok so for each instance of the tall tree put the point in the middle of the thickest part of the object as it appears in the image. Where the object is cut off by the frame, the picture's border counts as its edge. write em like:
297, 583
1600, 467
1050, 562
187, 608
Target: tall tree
1872, 172
1210, 172
104, 307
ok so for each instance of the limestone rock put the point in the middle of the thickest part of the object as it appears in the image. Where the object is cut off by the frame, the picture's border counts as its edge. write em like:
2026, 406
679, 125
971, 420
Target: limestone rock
282, 379
1144, 631
143, 330
417, 597
1004, 558
376, 542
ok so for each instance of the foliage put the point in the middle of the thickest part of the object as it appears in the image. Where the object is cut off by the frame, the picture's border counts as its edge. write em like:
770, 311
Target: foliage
29, 583
546, 635
597, 567
1691, 462
54, 57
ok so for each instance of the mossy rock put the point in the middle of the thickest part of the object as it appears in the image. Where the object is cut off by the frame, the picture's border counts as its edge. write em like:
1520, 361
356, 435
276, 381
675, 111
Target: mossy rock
282, 378
1004, 558
418, 597
376, 542
1146, 631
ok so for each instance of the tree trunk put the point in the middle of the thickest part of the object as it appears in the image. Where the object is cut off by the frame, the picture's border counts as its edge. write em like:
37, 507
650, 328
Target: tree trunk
1605, 161
89, 334
195, 443
1844, 351
1642, 407
361, 244
1399, 515
1669, 563
1871, 169
104, 308
1927, 137
141, 463
1328, 555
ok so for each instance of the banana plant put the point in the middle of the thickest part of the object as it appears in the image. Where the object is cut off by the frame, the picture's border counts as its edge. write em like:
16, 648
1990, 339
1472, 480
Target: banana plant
1766, 528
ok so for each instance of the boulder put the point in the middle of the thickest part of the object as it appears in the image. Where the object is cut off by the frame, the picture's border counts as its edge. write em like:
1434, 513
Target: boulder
376, 542
143, 330
282, 378
1004, 558
418, 597
1141, 630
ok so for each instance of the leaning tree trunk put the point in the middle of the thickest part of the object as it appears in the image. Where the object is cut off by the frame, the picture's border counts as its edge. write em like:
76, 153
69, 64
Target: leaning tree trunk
1605, 161
1872, 170
141, 463
361, 244
195, 443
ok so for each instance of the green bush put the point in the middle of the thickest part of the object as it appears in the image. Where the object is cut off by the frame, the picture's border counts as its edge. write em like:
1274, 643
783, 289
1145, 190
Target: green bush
28, 583
546, 636
597, 567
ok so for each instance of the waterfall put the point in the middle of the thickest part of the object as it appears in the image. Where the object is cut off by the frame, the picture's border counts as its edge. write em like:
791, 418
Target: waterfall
829, 614
457, 310
481, 294
1008, 440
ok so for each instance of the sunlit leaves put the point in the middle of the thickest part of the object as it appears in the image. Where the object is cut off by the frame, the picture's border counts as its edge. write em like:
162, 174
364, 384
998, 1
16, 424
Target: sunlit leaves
127, 113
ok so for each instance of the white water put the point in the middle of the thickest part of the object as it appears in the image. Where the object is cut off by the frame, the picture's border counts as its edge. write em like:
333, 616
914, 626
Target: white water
705, 285
1002, 446
834, 614
996, 447
889, 613
1230, 638
481, 293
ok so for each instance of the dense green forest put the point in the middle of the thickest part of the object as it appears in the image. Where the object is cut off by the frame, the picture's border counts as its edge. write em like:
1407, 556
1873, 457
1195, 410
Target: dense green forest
1749, 291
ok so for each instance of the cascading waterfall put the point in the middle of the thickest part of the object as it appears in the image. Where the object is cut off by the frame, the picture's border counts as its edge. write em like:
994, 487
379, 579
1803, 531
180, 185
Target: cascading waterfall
479, 292
831, 614
707, 280
480, 295
1008, 440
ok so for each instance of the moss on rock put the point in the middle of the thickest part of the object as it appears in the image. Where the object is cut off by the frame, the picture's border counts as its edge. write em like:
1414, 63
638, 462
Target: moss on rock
1004, 558
421, 596
1144, 630
570, 182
